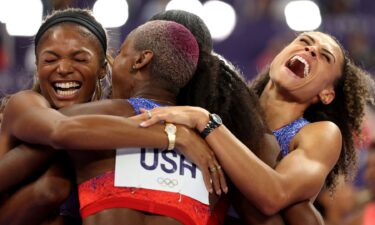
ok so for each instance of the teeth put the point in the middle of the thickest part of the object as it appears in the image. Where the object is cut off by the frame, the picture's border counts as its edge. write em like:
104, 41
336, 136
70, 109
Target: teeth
67, 93
67, 85
307, 66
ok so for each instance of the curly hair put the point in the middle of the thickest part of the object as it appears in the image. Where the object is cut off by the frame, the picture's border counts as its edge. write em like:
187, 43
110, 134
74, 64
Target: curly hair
175, 52
353, 90
218, 86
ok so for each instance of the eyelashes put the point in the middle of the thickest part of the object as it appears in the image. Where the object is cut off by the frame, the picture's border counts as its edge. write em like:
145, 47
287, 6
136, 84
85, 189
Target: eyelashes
306, 42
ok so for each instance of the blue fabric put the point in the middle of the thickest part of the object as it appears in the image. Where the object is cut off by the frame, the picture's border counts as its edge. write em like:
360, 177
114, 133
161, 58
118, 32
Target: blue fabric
145, 103
286, 133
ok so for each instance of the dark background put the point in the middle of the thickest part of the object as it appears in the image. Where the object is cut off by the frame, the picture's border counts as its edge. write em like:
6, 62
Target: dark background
260, 31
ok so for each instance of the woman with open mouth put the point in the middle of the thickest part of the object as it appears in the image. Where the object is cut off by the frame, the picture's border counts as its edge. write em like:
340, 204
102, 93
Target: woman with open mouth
71, 58
313, 97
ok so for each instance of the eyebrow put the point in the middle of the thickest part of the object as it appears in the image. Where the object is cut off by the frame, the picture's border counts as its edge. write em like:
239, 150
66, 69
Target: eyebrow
50, 52
72, 54
323, 49
80, 52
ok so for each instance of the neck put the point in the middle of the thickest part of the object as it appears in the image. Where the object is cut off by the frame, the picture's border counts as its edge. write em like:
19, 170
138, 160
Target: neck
160, 96
151, 89
278, 110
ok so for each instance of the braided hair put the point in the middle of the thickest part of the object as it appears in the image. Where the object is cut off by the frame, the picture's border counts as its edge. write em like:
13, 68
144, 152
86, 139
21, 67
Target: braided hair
218, 86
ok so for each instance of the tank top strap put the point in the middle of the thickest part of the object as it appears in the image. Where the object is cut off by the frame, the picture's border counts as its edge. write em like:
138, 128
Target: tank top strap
286, 133
138, 103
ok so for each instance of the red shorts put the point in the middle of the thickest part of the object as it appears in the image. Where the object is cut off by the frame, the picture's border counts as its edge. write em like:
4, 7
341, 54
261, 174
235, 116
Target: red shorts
99, 193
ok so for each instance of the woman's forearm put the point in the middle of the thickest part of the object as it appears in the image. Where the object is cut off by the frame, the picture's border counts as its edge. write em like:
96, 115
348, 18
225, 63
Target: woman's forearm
97, 132
20, 163
257, 181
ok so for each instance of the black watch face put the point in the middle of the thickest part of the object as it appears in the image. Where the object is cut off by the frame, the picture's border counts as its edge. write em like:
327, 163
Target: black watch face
216, 118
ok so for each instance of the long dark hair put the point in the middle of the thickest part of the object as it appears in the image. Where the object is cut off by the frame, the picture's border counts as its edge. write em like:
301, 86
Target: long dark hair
218, 86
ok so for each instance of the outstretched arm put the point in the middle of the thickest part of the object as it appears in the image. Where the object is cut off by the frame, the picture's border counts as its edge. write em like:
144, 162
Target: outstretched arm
299, 176
29, 118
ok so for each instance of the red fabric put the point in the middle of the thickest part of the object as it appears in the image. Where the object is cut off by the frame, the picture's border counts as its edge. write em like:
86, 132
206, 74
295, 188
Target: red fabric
99, 193
369, 214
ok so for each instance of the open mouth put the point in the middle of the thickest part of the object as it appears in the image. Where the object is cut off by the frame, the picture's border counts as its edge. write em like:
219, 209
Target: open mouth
66, 88
298, 66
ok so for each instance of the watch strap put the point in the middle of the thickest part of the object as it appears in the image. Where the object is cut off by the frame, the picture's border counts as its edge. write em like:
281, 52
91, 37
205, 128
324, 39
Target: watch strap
212, 124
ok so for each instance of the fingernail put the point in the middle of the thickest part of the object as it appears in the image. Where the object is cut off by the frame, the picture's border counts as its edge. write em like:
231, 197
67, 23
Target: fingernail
210, 190
143, 124
225, 190
218, 192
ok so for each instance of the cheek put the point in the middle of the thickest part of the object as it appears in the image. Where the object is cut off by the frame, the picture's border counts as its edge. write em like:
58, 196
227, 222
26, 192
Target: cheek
90, 85
42, 79
91, 80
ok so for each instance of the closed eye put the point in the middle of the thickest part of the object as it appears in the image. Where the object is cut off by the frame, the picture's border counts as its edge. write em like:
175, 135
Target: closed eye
80, 60
327, 58
304, 41
49, 60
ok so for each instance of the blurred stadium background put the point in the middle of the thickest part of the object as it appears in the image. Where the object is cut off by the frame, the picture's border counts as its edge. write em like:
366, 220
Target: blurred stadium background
247, 32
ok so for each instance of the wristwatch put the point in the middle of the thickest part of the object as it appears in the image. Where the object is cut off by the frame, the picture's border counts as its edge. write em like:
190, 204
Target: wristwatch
170, 129
213, 123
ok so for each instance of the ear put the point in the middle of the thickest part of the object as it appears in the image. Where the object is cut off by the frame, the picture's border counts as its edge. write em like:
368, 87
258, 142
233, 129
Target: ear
143, 59
103, 70
326, 96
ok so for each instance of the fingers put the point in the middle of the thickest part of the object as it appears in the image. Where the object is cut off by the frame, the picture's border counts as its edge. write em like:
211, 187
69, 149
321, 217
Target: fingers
214, 177
207, 179
173, 114
223, 181
218, 178
149, 114
152, 117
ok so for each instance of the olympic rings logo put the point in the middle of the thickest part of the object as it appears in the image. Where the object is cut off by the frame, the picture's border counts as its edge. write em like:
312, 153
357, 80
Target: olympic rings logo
167, 182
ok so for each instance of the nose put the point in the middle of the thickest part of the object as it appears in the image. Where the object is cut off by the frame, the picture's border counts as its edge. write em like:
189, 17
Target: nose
64, 67
312, 50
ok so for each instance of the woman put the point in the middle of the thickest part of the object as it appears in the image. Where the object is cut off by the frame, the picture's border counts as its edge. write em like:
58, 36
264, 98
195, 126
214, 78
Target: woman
71, 59
311, 78
223, 96
62, 132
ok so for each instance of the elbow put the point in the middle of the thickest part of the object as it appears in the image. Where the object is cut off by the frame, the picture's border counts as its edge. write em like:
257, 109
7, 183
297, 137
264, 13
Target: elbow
272, 204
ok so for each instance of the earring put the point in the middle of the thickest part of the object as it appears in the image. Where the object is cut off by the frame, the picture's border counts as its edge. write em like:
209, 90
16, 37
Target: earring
97, 92
133, 67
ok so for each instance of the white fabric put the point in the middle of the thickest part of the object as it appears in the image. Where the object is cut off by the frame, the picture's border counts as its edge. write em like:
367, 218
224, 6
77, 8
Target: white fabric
159, 170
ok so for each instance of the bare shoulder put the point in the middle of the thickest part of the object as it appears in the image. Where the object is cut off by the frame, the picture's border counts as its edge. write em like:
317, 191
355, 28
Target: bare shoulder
322, 131
21, 103
27, 98
322, 138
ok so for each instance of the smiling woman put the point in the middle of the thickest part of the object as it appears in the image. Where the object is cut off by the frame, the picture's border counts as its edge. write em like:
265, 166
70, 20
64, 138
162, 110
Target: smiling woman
147, 61
68, 75
70, 49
